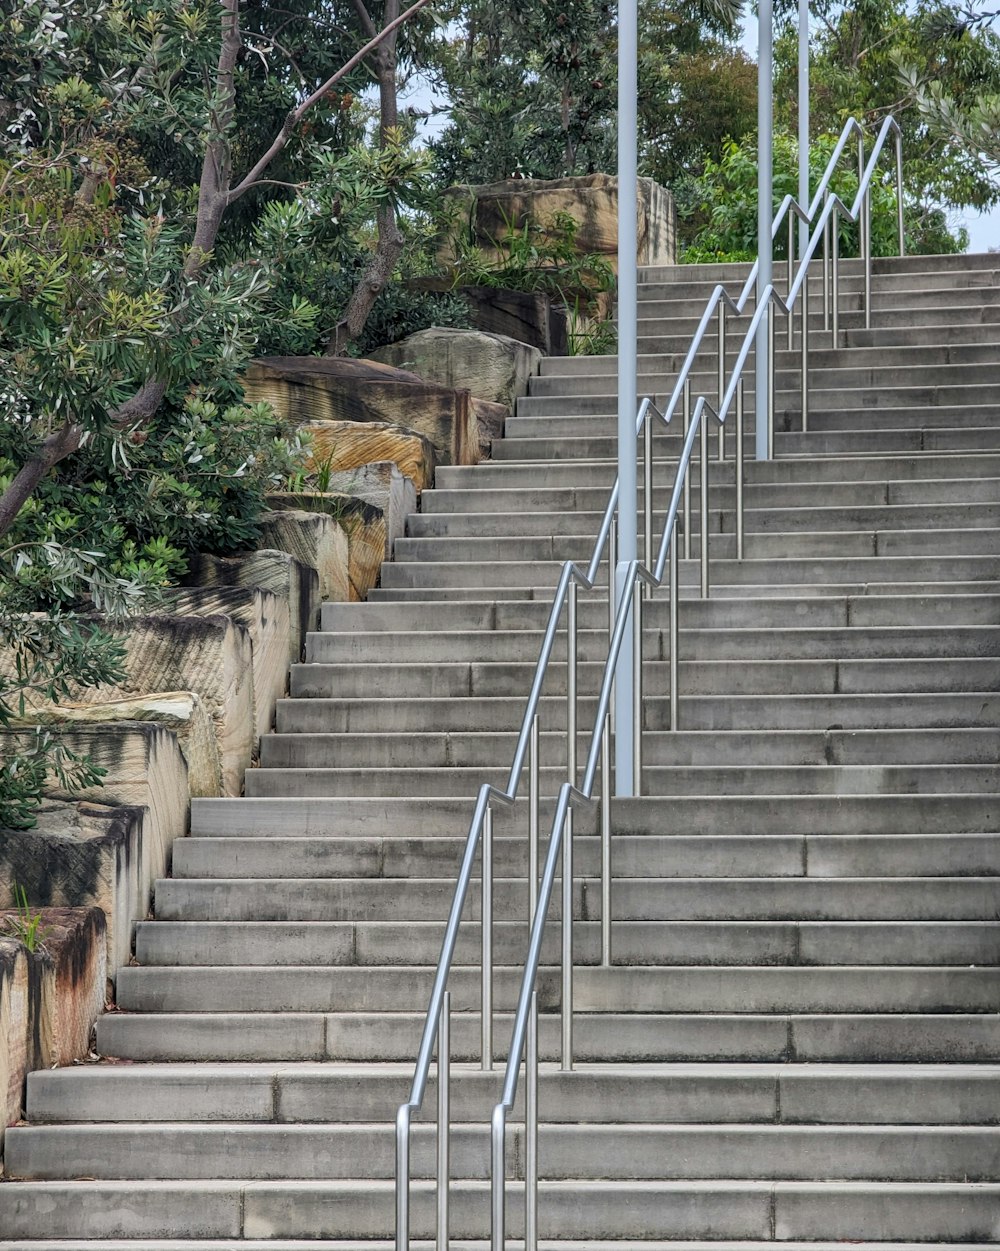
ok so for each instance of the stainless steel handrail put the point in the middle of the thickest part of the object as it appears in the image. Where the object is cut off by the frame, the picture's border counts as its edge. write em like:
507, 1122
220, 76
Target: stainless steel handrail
636, 576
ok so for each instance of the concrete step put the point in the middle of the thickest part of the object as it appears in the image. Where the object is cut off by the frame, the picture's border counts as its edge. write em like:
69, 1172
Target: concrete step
463, 1244
640, 898
952, 1038
789, 1094
168, 1150
723, 712
378, 943
634, 856
741, 1209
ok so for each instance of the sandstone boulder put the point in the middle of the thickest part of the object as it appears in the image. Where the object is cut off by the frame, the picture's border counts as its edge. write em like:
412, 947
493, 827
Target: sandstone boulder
363, 524
13, 1031
82, 854
346, 445
315, 539
490, 419
380, 483
492, 367
308, 389
291, 580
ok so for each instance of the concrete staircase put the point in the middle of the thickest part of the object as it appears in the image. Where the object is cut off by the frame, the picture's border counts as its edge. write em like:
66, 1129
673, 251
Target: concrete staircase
800, 1042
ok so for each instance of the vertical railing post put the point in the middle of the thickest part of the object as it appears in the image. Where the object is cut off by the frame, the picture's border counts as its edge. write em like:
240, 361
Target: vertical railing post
531, 1129
864, 233
606, 844
826, 264
647, 488
739, 471
835, 273
899, 194
403, 1179
486, 997
791, 275
703, 502
444, 1121
498, 1180
637, 598
674, 625
686, 426
770, 386
534, 768
612, 582
721, 388
567, 863
804, 358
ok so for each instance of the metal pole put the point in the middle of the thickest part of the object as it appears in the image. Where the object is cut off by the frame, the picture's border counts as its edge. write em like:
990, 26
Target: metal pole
687, 473
628, 42
864, 239
486, 924
637, 598
803, 122
606, 844
531, 1130
403, 1179
567, 943
534, 763
612, 608
770, 387
791, 267
739, 471
722, 378
703, 502
804, 360
826, 267
899, 195
571, 648
647, 488
444, 1121
765, 209
674, 630
835, 274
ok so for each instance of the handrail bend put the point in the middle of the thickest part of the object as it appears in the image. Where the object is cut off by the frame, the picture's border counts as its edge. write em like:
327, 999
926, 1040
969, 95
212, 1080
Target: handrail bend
635, 578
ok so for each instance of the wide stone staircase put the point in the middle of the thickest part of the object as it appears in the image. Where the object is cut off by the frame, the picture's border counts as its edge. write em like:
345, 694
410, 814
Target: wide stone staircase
799, 1039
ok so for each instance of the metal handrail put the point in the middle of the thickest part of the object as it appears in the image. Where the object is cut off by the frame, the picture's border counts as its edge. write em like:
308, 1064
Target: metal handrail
480, 833
636, 576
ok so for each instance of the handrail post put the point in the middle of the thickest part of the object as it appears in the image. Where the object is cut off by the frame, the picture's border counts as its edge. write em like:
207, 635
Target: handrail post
826, 265
498, 1180
403, 1179
612, 580
899, 194
791, 275
835, 272
534, 763
444, 1121
675, 618
739, 483
804, 359
686, 426
486, 925
567, 871
770, 385
606, 843
703, 502
647, 488
637, 598
531, 1130
722, 381
864, 233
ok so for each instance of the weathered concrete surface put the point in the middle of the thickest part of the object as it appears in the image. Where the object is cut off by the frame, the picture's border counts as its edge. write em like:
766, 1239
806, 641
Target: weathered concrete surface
272, 570
492, 367
346, 445
364, 525
87, 855
308, 388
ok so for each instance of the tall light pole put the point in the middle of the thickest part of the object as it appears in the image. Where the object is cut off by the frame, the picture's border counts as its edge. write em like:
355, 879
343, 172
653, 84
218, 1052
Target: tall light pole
803, 120
765, 209
628, 386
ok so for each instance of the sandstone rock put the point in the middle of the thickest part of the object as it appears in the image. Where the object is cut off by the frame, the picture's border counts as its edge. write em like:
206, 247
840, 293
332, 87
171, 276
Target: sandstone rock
591, 200
491, 419
182, 712
316, 539
13, 1031
363, 523
272, 570
265, 616
82, 855
309, 388
380, 483
534, 318
345, 445
491, 366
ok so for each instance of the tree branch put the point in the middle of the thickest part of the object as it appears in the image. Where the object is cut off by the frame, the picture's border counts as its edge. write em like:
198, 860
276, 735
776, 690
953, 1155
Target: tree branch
296, 115
54, 449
